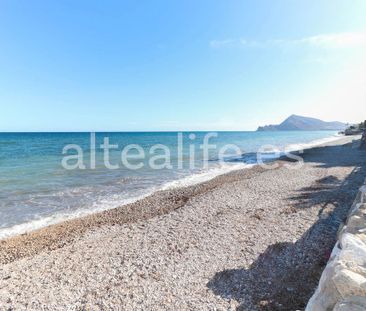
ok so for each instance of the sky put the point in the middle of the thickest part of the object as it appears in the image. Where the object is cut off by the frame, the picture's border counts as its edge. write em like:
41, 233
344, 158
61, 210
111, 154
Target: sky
179, 65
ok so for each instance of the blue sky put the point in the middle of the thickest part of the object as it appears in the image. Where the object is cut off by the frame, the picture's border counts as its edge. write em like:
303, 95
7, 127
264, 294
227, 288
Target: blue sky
179, 65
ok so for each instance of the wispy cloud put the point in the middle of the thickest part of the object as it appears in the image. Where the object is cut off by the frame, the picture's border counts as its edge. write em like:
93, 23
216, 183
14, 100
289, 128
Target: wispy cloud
339, 40
325, 41
216, 44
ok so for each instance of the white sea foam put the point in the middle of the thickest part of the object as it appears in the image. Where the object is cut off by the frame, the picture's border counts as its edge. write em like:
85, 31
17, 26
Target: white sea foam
60, 217
312, 144
204, 176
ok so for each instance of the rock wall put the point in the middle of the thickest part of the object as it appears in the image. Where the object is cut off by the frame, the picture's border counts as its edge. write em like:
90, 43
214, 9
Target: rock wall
363, 140
342, 286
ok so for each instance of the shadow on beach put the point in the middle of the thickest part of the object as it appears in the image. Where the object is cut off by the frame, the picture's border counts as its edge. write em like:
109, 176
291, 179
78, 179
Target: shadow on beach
286, 274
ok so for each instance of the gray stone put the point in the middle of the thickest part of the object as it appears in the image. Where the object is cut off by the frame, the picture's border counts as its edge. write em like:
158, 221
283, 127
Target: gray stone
345, 273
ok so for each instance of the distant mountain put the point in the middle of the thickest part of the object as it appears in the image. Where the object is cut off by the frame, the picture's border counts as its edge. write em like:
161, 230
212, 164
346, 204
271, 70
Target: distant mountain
299, 123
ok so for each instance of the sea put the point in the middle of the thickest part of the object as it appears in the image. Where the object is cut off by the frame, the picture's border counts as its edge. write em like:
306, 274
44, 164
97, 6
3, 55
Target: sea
46, 178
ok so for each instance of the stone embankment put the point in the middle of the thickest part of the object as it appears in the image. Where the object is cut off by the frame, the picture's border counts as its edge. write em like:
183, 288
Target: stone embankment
342, 286
363, 140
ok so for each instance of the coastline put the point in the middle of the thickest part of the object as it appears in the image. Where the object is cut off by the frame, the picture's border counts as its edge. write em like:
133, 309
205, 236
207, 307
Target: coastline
233, 224
170, 192
158, 203
186, 181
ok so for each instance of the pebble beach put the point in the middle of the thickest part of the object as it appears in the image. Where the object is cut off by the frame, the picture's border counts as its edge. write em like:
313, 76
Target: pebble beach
252, 239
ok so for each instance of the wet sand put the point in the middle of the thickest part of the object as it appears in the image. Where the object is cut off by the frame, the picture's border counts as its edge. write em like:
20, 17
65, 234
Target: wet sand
252, 239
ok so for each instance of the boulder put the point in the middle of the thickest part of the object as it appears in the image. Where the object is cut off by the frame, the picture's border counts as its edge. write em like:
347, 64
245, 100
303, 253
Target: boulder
354, 303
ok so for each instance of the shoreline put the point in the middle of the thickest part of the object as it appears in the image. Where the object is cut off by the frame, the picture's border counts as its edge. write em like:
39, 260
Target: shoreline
195, 179
251, 239
198, 178
54, 235
158, 203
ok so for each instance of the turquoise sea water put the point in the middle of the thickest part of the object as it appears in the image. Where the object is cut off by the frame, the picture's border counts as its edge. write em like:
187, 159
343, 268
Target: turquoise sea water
36, 190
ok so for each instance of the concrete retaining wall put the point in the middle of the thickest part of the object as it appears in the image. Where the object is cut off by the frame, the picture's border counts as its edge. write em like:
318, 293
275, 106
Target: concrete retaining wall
342, 286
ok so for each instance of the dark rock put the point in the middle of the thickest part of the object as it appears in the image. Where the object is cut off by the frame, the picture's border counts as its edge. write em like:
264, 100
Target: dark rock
363, 140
